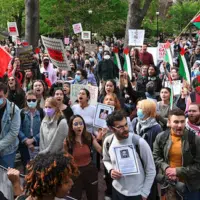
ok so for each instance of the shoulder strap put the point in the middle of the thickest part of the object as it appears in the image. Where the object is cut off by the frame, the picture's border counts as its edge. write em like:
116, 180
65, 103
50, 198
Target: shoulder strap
12, 105
22, 115
41, 114
191, 140
108, 143
193, 96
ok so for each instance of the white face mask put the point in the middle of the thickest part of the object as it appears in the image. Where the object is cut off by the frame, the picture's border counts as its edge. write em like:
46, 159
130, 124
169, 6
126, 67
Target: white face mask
106, 57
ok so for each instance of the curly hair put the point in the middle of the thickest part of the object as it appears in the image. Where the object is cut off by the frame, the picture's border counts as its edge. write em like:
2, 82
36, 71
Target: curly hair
47, 172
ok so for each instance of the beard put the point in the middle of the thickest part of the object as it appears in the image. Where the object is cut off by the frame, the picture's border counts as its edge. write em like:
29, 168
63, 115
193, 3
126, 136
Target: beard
194, 119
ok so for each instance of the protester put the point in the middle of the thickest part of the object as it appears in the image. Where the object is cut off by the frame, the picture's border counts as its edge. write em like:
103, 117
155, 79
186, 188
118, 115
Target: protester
49, 176
85, 110
80, 77
29, 134
79, 144
15, 92
28, 80
195, 56
66, 109
176, 154
122, 139
146, 57
142, 79
135, 60
53, 129
193, 120
9, 128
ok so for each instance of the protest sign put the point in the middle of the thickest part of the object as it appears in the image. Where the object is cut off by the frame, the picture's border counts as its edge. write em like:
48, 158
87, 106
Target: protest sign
136, 37
102, 111
90, 47
154, 52
176, 85
161, 51
56, 52
25, 55
86, 35
12, 29
75, 89
5, 59
77, 28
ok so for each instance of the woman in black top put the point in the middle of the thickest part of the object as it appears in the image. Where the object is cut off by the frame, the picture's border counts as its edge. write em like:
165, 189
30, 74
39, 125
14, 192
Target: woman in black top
66, 109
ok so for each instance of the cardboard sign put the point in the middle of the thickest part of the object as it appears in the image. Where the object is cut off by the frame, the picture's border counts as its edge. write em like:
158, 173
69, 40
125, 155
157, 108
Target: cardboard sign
86, 35
161, 51
176, 85
90, 47
56, 52
77, 28
25, 55
136, 37
66, 41
12, 29
75, 89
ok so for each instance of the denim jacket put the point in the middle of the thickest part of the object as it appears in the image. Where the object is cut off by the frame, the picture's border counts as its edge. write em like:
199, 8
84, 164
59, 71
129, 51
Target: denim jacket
10, 130
25, 129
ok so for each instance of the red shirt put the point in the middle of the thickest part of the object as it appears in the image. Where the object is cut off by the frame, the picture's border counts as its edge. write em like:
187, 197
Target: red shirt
146, 58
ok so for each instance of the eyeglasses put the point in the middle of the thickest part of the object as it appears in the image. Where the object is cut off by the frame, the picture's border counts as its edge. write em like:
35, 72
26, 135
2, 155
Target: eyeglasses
120, 128
78, 123
33, 100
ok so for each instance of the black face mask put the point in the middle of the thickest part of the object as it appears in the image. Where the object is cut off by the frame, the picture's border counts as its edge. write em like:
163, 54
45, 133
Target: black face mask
87, 65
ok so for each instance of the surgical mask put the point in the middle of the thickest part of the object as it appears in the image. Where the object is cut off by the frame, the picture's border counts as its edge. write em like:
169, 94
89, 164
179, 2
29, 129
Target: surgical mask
100, 50
196, 72
78, 77
1, 101
140, 114
32, 104
106, 57
91, 59
49, 111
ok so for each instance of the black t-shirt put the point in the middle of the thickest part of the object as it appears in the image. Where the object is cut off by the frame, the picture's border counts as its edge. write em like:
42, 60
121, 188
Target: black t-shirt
1, 114
2, 196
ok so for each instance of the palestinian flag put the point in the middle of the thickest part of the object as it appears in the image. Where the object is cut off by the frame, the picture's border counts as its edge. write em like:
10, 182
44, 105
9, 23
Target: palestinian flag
116, 58
127, 63
196, 21
183, 67
168, 54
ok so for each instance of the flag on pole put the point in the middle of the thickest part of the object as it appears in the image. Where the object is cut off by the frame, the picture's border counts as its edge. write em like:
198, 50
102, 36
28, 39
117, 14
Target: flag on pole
5, 59
196, 21
116, 58
183, 67
127, 62
168, 54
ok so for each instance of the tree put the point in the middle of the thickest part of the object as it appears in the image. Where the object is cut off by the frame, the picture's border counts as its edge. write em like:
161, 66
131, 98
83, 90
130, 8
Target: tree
32, 22
136, 13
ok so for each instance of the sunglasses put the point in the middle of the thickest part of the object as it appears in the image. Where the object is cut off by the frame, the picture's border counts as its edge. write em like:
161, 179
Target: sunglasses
78, 123
33, 100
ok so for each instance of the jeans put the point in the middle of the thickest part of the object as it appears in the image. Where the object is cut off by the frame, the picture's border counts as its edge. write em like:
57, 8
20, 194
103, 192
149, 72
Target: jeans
192, 195
8, 160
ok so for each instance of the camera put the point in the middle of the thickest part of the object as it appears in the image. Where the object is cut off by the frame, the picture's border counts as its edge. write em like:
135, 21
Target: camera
165, 182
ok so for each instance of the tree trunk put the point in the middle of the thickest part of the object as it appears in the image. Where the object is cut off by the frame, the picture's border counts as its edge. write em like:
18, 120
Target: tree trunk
32, 22
135, 16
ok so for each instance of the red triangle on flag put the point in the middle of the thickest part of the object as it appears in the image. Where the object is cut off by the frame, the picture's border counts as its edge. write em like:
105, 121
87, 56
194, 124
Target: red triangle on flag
167, 45
196, 19
182, 52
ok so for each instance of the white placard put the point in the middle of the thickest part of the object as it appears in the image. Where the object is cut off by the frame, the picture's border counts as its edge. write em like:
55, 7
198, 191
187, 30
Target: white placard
12, 29
161, 51
86, 35
177, 85
136, 37
77, 28
153, 51
56, 52
75, 89
102, 111
126, 160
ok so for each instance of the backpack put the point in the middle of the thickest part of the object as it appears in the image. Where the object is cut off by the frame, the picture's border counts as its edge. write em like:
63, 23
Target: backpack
12, 113
135, 140
191, 139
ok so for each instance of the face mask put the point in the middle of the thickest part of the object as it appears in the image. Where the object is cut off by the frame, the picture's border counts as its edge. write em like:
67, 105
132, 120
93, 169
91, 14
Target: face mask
100, 50
78, 77
1, 101
140, 114
32, 104
106, 57
196, 72
91, 59
49, 111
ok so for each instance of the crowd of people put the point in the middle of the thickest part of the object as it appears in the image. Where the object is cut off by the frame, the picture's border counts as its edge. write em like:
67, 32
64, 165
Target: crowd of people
150, 148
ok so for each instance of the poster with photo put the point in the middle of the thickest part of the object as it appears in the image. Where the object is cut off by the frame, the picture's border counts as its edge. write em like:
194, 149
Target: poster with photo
102, 111
86, 35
